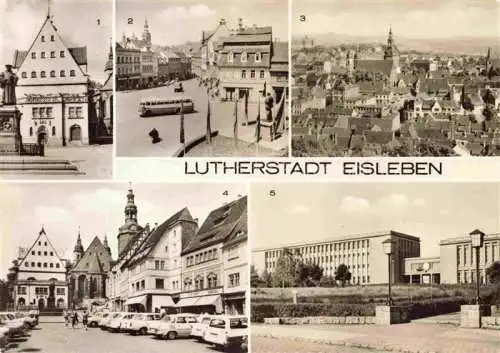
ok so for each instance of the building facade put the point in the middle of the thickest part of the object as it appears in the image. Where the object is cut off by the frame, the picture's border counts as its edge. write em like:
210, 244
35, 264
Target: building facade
362, 254
89, 271
52, 91
458, 258
128, 67
41, 277
206, 261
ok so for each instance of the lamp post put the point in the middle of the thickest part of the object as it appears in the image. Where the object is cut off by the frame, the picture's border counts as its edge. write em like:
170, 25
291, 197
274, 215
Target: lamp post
477, 238
388, 246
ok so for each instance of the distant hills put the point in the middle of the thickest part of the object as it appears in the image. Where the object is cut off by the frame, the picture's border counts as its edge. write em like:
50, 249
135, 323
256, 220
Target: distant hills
453, 45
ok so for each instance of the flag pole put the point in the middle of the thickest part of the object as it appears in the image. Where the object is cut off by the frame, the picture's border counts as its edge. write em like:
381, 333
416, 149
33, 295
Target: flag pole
182, 138
235, 127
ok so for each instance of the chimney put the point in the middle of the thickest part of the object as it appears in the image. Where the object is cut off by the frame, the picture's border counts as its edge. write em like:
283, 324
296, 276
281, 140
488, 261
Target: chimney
240, 24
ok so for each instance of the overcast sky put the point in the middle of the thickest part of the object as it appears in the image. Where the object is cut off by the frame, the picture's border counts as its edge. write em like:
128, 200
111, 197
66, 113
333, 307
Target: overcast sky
98, 208
177, 22
76, 21
314, 211
409, 18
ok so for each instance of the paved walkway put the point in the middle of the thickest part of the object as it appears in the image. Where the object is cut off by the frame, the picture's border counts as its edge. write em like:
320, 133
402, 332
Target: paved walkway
413, 337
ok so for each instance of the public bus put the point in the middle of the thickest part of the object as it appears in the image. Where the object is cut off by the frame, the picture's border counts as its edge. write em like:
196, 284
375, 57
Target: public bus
163, 106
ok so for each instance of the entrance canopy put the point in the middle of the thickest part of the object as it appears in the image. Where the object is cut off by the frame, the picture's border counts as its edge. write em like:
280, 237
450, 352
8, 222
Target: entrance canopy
160, 301
136, 300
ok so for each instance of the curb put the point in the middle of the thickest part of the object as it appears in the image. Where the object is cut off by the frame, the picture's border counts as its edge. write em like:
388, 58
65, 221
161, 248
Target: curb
341, 343
192, 143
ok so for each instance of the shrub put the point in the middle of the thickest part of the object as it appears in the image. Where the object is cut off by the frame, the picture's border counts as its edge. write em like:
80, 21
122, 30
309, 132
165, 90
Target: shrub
434, 307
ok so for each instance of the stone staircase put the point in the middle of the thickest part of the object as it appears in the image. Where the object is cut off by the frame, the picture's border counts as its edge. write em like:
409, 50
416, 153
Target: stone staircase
20, 165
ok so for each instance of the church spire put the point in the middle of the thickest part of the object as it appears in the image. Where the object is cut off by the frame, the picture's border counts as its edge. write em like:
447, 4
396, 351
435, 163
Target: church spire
130, 207
106, 245
78, 250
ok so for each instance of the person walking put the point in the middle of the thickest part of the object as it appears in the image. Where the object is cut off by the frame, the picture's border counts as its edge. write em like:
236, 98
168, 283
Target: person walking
65, 316
74, 321
85, 320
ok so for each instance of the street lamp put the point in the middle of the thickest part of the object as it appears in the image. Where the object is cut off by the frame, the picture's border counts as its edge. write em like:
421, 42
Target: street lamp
477, 238
388, 246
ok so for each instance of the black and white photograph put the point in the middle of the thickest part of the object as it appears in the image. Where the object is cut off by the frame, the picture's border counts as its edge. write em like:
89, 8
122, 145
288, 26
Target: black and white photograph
57, 110
395, 78
124, 268
375, 267
202, 79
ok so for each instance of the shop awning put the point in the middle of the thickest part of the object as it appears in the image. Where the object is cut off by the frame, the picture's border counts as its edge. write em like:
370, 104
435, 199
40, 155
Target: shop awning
136, 300
208, 300
187, 302
162, 301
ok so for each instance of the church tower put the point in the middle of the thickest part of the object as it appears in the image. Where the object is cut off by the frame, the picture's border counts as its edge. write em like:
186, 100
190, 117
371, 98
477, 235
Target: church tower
388, 52
106, 245
78, 250
146, 35
488, 61
108, 68
130, 228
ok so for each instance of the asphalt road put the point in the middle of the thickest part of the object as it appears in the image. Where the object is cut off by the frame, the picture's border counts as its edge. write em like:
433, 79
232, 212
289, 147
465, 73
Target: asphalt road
55, 338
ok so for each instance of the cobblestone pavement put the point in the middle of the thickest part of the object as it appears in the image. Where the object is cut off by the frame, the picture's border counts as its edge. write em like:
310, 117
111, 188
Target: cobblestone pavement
411, 337
270, 345
55, 338
132, 139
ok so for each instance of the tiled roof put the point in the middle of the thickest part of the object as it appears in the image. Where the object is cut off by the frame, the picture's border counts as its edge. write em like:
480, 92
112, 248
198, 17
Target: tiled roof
380, 137
375, 65
256, 30
19, 56
254, 38
79, 54
280, 52
219, 225
96, 259
149, 241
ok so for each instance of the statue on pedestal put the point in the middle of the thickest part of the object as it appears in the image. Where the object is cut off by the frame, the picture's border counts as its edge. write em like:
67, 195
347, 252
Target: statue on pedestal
8, 82
269, 104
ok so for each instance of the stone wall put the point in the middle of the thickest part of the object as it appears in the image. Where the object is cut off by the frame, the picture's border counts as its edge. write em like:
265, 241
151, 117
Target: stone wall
321, 320
491, 322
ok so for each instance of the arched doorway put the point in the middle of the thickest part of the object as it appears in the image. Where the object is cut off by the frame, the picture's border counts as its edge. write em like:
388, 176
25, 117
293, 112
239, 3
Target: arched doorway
42, 135
21, 302
41, 304
60, 303
75, 133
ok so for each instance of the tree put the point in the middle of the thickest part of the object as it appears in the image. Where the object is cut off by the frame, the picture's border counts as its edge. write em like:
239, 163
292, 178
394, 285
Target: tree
254, 277
309, 275
285, 273
342, 274
493, 273
267, 279
327, 281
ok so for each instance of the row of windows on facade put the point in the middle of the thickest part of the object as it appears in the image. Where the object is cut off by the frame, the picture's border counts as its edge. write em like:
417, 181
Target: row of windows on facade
244, 57
466, 252
53, 131
43, 74
62, 54
199, 282
313, 249
201, 257
252, 74
272, 264
22, 290
128, 59
126, 70
46, 112
39, 264
33, 252
470, 277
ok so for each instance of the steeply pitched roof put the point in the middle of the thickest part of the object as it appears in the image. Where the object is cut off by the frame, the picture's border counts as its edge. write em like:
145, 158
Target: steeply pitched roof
150, 240
96, 259
219, 225
79, 54
375, 65
280, 52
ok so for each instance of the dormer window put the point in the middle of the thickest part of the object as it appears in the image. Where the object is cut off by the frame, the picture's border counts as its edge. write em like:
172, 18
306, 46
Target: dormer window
230, 57
244, 57
258, 57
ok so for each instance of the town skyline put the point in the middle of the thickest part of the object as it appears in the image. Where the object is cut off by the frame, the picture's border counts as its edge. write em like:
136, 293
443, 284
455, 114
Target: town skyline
430, 211
190, 18
67, 208
96, 35
433, 19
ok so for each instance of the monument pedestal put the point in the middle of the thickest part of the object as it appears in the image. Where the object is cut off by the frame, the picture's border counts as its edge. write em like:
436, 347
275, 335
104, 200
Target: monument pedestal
390, 315
10, 130
470, 315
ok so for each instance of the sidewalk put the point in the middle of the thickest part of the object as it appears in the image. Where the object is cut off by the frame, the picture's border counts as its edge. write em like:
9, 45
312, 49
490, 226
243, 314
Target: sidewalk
413, 338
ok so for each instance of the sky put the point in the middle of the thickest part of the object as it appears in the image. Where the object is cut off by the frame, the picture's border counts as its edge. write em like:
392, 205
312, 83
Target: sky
97, 208
409, 18
178, 22
79, 22
315, 211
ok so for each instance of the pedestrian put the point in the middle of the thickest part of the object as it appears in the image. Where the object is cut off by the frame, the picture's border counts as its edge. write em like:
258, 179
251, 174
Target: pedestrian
65, 316
74, 321
85, 320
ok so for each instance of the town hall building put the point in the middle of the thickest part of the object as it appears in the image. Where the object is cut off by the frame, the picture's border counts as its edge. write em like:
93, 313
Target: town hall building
52, 92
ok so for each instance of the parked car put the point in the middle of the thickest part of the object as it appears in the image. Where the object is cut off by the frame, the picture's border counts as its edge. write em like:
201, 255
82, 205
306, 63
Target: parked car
200, 327
4, 336
103, 324
227, 331
179, 325
153, 326
29, 321
16, 327
94, 318
138, 324
115, 323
